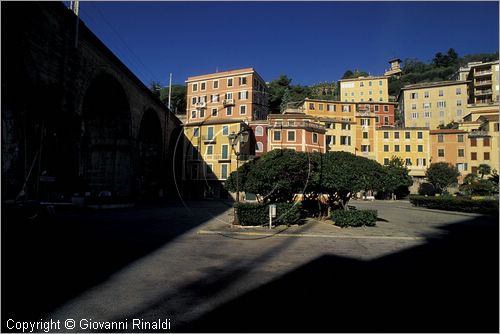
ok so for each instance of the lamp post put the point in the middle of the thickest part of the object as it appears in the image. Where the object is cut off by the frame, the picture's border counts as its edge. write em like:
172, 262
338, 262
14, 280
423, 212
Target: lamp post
233, 140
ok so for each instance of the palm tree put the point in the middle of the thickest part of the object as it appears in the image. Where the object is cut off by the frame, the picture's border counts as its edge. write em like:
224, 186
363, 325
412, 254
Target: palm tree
484, 169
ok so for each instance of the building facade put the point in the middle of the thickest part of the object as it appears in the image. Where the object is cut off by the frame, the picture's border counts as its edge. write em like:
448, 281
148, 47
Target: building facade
433, 104
450, 145
484, 83
365, 89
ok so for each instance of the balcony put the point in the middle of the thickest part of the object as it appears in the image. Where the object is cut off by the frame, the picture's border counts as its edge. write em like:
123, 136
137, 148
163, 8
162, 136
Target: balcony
365, 114
228, 102
482, 73
209, 139
478, 133
483, 92
483, 83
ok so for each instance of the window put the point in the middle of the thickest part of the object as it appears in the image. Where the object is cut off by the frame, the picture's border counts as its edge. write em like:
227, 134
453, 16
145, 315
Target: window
427, 114
386, 148
473, 142
474, 170
427, 105
259, 130
214, 112
386, 135
225, 130
243, 81
370, 92
408, 162
441, 104
386, 108
330, 107
195, 87
396, 148
376, 108
461, 153
193, 114
460, 138
462, 167
414, 96
210, 149
414, 115
486, 155
440, 138
441, 152
396, 135
473, 156
209, 170
291, 135
223, 171
407, 148
345, 126
259, 147
459, 112
377, 119
386, 161
420, 148
330, 140
365, 121
311, 106
441, 92
361, 84
365, 135
459, 103
420, 135
194, 100
345, 140
243, 110
277, 135
194, 152
229, 111
210, 133
407, 135
225, 151
202, 113
215, 84
365, 148
230, 82
458, 91
196, 132
380, 83
203, 86
486, 141
413, 106
315, 138
320, 106
369, 83
420, 162
243, 95
229, 96
215, 98
426, 93
496, 127
346, 108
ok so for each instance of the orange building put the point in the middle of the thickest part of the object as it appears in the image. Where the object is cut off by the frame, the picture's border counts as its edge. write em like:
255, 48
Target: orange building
295, 131
450, 145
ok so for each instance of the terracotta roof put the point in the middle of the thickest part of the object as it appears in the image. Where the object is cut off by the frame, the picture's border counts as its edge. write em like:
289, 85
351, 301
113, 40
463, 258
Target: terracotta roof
489, 118
434, 84
444, 131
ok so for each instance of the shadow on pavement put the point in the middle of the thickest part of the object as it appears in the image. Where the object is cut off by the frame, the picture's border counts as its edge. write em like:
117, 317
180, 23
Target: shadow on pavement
449, 284
46, 263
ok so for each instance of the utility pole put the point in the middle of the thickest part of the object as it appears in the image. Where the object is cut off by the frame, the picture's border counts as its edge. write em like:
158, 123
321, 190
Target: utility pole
170, 91
74, 7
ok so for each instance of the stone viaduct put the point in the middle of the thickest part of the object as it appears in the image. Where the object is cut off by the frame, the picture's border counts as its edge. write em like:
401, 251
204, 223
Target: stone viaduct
75, 119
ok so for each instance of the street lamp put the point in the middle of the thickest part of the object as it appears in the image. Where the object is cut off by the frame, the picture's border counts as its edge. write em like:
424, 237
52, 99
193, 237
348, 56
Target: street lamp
233, 140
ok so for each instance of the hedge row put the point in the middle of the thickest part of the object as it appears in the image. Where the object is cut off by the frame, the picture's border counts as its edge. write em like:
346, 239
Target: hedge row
355, 218
484, 206
258, 214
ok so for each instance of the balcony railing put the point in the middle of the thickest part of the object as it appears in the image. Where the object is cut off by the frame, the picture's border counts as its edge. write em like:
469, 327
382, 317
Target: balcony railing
207, 139
478, 133
483, 83
484, 72
483, 92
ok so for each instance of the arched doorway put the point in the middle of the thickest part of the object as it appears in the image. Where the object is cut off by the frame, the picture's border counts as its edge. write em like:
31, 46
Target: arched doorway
149, 144
106, 149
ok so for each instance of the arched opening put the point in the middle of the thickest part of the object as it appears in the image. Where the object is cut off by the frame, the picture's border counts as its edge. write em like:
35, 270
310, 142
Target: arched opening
150, 151
106, 153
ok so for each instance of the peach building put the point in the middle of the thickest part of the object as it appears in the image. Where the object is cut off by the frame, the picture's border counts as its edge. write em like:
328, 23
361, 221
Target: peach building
450, 145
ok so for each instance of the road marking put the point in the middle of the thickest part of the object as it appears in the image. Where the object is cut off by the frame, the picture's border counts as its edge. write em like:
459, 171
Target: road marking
308, 235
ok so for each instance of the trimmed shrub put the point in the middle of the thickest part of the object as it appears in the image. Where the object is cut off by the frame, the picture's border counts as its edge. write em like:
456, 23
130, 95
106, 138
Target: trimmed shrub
255, 214
355, 218
426, 189
462, 204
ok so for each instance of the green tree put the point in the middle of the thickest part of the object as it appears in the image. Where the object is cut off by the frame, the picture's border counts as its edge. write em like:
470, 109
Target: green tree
155, 87
397, 178
483, 169
178, 98
284, 100
348, 74
442, 174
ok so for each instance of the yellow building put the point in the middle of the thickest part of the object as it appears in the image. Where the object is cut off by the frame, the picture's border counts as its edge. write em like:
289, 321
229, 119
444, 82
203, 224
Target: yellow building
433, 104
365, 89
218, 105
338, 118
484, 81
482, 143
409, 144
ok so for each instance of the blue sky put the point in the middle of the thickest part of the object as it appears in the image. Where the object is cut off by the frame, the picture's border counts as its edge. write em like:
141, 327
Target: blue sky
309, 41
